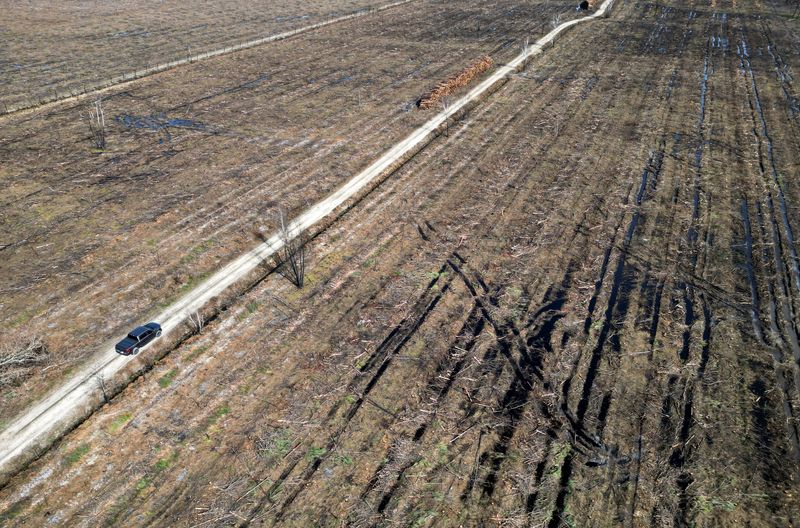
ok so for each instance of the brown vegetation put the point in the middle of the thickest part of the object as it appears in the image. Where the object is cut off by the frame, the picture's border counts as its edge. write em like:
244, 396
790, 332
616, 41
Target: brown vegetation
18, 355
448, 87
92, 241
589, 322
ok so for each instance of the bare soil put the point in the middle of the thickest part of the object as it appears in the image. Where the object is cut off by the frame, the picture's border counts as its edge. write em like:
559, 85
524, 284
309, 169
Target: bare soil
575, 309
57, 48
200, 157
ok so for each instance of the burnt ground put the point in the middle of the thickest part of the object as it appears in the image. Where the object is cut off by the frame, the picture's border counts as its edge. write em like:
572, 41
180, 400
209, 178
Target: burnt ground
575, 309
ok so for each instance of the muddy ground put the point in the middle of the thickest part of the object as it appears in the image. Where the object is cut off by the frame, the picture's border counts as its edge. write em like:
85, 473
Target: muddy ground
577, 308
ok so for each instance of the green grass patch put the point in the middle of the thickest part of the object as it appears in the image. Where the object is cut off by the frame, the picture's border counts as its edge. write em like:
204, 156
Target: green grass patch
433, 275
218, 413
192, 282
709, 505
12, 512
275, 493
249, 309
196, 251
343, 460
361, 362
194, 354
442, 451
74, 456
166, 380
143, 483
278, 446
166, 462
421, 517
117, 423
314, 453
560, 453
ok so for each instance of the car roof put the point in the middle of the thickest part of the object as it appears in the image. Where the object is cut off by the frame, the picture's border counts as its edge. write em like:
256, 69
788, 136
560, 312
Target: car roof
139, 330
153, 325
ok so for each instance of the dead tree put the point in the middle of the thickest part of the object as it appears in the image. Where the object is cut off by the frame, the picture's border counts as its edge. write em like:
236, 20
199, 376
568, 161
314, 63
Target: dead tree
18, 356
446, 110
290, 259
100, 381
97, 124
196, 321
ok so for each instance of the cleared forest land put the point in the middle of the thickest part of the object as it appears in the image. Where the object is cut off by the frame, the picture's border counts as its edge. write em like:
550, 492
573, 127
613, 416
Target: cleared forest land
53, 49
577, 308
197, 160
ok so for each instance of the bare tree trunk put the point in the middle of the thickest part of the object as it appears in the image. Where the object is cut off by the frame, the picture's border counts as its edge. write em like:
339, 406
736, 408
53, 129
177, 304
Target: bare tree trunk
290, 260
97, 124
100, 381
446, 108
196, 321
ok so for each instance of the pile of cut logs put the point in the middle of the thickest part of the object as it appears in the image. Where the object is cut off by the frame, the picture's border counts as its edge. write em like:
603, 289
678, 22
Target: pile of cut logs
445, 88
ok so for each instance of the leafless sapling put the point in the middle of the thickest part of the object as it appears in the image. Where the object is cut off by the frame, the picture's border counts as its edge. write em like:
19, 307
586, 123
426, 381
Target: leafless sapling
97, 124
100, 381
446, 110
290, 259
196, 321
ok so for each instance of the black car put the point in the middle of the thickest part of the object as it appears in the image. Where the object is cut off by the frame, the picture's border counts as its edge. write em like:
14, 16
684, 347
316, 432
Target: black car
138, 338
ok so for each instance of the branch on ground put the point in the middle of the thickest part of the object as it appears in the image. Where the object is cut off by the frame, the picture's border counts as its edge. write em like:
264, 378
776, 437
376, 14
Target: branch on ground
18, 355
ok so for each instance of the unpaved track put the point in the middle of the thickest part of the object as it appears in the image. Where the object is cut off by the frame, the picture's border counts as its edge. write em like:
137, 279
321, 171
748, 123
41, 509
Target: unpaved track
54, 415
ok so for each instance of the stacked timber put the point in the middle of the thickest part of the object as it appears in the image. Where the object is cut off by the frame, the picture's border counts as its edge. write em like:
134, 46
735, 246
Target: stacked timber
445, 88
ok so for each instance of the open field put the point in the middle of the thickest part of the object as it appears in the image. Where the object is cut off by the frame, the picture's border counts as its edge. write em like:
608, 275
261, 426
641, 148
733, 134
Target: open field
93, 242
53, 49
577, 308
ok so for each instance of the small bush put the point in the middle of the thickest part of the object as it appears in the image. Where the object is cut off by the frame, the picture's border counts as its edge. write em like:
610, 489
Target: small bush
314, 453
166, 380
118, 422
